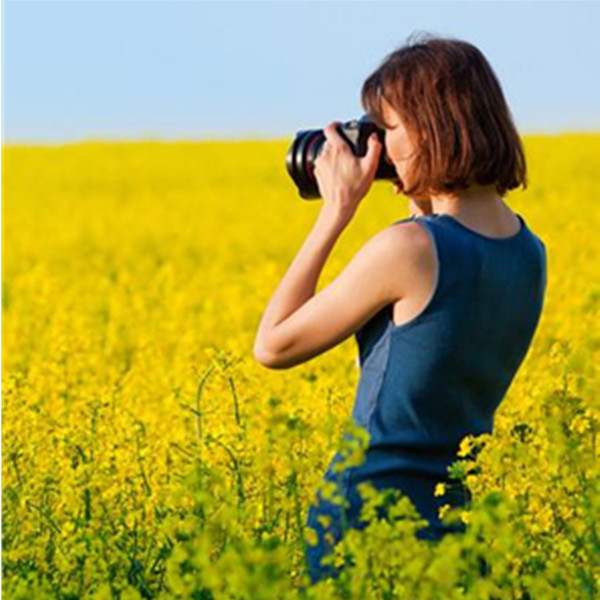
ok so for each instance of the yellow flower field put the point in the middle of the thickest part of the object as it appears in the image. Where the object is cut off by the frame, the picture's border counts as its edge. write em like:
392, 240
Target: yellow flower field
146, 454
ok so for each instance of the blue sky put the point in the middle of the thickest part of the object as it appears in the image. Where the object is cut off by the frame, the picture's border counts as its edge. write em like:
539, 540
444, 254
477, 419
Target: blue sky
170, 70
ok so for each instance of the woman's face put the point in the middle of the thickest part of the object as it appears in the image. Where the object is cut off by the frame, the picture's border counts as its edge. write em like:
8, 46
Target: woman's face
398, 144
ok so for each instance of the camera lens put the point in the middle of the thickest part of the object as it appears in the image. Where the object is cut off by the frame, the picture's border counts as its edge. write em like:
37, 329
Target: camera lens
300, 161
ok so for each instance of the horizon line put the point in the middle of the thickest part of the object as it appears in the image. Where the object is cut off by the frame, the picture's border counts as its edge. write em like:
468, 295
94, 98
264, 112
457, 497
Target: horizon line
232, 139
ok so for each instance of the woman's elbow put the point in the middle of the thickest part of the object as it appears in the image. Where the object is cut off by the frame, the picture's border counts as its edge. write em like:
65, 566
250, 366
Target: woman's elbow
265, 358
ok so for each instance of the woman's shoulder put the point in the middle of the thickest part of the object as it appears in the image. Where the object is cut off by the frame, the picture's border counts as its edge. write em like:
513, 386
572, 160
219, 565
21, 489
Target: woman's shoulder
406, 236
402, 238
409, 245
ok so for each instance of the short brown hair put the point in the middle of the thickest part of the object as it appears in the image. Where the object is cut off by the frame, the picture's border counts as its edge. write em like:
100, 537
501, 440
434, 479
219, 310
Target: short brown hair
452, 105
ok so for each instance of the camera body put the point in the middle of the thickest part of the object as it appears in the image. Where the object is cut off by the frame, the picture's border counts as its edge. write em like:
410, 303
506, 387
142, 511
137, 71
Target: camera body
308, 144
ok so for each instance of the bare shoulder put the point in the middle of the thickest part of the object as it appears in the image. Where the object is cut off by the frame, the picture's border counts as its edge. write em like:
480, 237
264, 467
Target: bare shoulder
411, 233
403, 250
408, 237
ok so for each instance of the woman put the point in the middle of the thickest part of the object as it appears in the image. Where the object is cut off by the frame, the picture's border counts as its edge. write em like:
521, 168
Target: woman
443, 304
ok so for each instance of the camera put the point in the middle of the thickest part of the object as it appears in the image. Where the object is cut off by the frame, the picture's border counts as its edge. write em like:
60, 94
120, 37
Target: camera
307, 145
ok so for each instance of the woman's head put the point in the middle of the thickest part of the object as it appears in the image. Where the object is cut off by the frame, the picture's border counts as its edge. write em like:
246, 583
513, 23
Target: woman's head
446, 120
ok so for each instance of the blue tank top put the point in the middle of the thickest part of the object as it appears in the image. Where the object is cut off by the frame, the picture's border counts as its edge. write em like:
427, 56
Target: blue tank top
427, 383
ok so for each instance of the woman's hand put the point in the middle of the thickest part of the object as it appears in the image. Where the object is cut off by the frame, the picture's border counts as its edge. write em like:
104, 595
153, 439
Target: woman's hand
343, 178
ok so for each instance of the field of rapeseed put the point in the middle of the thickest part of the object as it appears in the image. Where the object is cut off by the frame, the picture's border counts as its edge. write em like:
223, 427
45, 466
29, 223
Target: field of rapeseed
147, 455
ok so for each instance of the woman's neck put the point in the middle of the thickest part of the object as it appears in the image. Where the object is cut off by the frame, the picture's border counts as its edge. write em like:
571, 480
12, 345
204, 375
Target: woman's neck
475, 200
473, 204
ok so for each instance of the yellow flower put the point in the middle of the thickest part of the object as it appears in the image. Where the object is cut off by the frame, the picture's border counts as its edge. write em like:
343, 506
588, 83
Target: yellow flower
325, 520
443, 510
466, 444
579, 424
440, 489
311, 537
